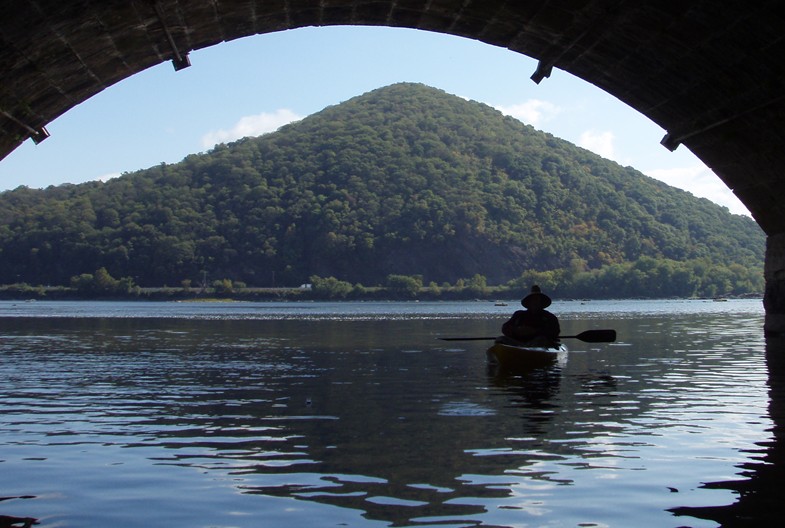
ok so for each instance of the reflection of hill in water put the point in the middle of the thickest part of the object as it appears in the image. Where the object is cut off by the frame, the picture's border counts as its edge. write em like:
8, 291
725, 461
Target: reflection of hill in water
414, 446
383, 420
410, 444
531, 394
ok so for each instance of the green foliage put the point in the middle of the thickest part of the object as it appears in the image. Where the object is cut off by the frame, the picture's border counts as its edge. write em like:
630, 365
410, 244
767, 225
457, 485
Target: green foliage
405, 180
22, 290
647, 277
223, 286
404, 285
330, 287
478, 285
101, 283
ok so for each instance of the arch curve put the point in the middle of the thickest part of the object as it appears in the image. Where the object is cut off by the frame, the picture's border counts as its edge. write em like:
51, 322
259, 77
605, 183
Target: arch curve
713, 78
710, 74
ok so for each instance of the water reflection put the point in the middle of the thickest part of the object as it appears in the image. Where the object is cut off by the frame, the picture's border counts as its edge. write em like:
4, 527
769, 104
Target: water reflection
376, 422
531, 395
760, 488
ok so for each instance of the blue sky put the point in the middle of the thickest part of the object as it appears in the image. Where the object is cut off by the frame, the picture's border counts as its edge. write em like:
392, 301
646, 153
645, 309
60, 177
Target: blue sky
253, 85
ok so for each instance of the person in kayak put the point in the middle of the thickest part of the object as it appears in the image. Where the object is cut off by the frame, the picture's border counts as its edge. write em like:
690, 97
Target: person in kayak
535, 324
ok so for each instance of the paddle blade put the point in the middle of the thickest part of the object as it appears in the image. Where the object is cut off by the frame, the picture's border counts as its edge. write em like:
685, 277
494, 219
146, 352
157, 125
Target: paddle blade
597, 336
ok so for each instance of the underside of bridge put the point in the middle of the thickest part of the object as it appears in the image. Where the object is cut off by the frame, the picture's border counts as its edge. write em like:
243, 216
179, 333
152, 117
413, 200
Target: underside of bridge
710, 73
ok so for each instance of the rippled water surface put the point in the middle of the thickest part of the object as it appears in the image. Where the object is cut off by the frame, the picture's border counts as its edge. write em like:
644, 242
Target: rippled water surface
321, 414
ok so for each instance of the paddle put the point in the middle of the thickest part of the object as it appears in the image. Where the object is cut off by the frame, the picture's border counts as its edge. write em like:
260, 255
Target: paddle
589, 336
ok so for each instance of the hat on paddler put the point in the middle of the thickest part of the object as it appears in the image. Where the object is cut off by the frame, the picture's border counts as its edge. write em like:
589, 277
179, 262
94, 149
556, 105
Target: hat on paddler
536, 294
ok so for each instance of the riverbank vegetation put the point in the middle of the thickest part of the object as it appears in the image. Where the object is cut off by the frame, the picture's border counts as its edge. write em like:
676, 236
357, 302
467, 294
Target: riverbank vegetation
645, 278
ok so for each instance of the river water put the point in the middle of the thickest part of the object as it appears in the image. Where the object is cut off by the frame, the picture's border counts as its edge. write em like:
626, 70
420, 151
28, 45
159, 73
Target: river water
356, 414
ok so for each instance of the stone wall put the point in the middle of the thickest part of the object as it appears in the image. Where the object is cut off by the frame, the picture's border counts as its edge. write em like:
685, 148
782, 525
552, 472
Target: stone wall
774, 272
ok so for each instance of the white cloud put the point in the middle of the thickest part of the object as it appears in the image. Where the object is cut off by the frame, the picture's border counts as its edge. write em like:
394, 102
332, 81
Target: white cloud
683, 177
253, 125
700, 181
107, 177
533, 112
601, 143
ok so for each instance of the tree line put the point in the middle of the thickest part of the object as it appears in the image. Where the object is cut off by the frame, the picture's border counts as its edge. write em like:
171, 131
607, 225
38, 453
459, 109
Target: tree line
645, 278
405, 180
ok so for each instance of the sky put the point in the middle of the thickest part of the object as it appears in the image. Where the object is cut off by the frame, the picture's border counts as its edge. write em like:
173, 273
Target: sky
254, 85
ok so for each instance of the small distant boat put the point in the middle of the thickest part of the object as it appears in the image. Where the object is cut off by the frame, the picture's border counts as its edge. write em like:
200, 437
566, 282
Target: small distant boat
500, 303
523, 356
720, 299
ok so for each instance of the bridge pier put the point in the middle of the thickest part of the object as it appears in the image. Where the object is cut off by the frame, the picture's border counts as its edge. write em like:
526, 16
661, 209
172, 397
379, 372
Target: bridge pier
774, 273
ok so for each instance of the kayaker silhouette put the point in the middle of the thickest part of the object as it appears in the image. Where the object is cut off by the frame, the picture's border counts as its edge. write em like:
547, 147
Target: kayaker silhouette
535, 325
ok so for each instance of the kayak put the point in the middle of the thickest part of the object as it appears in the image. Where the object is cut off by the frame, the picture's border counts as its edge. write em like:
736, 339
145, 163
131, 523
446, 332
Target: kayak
514, 356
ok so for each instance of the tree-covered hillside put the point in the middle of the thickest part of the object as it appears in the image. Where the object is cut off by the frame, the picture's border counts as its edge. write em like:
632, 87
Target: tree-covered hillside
402, 180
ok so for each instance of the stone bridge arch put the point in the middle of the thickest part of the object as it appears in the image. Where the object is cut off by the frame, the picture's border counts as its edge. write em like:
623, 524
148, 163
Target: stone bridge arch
711, 74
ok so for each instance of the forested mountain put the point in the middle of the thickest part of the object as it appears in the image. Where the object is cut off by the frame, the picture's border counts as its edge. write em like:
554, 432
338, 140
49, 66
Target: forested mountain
403, 180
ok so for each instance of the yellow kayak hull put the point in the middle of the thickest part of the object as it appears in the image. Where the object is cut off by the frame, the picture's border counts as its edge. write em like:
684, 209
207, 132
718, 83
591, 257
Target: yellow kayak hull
511, 356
